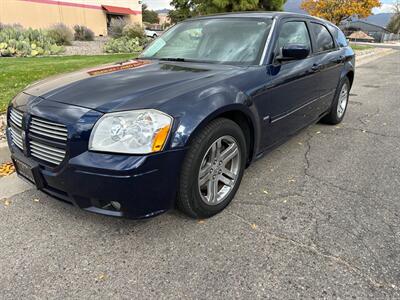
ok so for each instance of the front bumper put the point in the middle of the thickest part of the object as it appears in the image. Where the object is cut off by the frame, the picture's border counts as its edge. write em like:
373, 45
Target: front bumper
144, 186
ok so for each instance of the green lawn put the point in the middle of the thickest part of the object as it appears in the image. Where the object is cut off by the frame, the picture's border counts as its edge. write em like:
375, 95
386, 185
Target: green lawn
360, 47
17, 73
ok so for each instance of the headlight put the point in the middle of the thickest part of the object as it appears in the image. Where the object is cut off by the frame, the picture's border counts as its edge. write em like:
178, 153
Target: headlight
131, 132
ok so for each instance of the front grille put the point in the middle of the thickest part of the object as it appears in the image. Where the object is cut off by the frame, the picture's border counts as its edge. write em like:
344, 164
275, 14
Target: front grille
47, 140
17, 138
48, 129
15, 123
47, 153
16, 118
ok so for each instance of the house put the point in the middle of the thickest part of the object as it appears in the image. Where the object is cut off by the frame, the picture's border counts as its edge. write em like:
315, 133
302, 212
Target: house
95, 14
360, 36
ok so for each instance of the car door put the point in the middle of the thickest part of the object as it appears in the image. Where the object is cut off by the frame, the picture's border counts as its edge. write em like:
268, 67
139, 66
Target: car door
329, 60
291, 86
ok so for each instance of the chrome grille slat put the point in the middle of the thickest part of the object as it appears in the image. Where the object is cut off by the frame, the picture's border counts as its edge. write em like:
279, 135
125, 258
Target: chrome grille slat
49, 152
39, 132
60, 151
17, 122
16, 138
56, 156
57, 135
46, 158
35, 119
16, 117
49, 129
61, 134
47, 126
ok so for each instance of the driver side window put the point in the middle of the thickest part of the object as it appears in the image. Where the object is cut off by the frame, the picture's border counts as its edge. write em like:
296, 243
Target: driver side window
293, 33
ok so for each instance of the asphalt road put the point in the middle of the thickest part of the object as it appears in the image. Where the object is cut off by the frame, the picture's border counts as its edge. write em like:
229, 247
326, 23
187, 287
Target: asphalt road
316, 218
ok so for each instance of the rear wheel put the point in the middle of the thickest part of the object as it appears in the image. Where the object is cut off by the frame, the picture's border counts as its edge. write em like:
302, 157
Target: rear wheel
339, 105
212, 170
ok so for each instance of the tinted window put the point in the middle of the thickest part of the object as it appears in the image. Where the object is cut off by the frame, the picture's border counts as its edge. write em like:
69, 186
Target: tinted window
341, 39
339, 36
323, 38
294, 33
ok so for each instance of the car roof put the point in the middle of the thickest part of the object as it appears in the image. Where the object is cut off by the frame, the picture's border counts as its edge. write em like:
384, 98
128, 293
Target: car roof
261, 14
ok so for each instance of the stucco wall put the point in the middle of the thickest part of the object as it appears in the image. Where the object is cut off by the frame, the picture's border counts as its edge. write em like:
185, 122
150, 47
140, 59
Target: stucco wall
44, 13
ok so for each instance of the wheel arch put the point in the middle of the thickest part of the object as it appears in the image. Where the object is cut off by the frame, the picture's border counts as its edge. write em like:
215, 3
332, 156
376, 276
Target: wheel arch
350, 76
242, 117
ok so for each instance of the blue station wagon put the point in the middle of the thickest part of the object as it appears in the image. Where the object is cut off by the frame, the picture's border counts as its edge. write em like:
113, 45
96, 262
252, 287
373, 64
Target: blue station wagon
178, 126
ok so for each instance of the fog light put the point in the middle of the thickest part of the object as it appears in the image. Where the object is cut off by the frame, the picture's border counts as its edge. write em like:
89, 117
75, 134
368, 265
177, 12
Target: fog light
116, 205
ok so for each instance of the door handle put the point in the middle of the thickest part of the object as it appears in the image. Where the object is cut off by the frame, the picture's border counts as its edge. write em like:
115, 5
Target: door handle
339, 60
316, 68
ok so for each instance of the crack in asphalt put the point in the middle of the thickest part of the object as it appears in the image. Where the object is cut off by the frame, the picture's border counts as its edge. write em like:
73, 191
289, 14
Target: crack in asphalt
322, 253
315, 248
364, 122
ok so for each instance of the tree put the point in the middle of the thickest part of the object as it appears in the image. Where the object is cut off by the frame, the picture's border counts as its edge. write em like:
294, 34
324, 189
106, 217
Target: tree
188, 8
337, 11
149, 16
394, 24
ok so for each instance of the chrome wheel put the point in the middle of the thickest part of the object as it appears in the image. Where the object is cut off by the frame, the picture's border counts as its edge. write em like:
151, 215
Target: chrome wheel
343, 99
219, 170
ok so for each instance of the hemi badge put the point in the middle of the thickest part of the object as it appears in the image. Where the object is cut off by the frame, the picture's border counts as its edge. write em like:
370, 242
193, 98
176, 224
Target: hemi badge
132, 64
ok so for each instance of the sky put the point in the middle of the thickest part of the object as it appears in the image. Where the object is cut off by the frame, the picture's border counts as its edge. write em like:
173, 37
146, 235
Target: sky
160, 4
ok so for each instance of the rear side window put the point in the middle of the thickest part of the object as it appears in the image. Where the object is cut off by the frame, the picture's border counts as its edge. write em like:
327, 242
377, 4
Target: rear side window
294, 33
323, 38
341, 39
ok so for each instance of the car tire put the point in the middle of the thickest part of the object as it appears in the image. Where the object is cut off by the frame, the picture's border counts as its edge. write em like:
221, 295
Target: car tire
154, 36
340, 103
212, 169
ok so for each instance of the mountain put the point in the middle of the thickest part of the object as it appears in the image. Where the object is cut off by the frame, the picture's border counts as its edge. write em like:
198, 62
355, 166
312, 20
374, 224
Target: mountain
382, 19
162, 11
294, 6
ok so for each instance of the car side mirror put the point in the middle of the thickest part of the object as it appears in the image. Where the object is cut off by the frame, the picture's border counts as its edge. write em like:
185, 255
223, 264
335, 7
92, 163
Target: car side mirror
293, 52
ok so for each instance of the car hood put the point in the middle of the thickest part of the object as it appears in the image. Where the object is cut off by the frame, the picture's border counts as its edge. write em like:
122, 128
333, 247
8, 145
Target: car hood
130, 85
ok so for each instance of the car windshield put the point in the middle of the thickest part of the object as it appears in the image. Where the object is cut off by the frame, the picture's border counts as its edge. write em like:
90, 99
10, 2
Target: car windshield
225, 40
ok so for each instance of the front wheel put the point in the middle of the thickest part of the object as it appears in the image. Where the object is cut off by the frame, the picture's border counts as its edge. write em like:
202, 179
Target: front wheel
339, 105
212, 170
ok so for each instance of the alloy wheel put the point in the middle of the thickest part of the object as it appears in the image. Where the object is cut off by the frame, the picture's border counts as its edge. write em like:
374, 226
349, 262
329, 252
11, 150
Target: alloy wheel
219, 170
343, 100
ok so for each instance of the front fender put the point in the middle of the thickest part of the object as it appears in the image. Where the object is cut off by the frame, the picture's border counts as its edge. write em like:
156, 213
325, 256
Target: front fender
206, 106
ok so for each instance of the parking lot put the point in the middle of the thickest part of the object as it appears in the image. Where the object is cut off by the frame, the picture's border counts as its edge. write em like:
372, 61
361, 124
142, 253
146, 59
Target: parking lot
317, 217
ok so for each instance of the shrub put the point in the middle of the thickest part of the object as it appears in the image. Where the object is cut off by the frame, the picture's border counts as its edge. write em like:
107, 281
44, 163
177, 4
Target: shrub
61, 34
116, 27
123, 45
82, 33
17, 41
133, 31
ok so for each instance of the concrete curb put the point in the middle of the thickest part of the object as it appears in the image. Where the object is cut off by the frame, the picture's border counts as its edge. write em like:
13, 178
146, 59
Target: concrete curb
364, 59
5, 155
